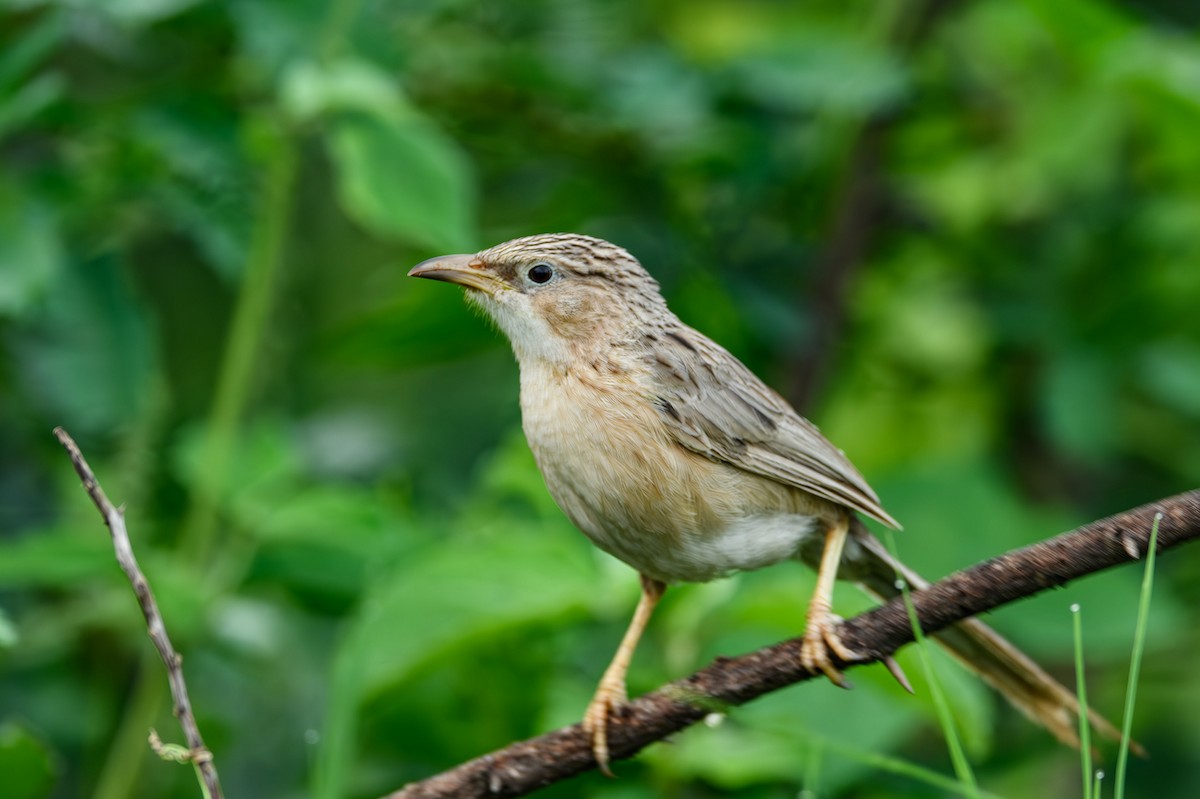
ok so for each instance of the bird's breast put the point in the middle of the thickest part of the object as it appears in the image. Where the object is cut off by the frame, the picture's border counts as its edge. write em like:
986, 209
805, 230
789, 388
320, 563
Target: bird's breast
671, 513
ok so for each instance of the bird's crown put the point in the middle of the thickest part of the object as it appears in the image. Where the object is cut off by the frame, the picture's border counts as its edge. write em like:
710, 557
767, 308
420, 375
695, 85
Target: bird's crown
579, 254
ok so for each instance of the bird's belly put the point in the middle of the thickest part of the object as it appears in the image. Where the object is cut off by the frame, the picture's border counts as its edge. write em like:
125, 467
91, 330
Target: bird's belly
745, 544
666, 511
676, 549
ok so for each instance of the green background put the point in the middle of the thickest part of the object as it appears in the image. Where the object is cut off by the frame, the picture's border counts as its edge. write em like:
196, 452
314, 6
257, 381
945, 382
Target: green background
964, 238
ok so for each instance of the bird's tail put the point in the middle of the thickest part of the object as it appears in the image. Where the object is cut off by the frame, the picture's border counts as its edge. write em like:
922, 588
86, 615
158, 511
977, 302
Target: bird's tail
980, 648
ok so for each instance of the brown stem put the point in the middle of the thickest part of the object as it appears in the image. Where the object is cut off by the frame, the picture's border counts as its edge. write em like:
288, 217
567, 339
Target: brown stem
197, 753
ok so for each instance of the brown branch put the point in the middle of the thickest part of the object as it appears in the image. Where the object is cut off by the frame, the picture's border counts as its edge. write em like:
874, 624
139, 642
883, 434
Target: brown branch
197, 753
528, 765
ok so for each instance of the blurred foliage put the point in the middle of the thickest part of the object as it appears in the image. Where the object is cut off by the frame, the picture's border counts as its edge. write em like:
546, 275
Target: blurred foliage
206, 213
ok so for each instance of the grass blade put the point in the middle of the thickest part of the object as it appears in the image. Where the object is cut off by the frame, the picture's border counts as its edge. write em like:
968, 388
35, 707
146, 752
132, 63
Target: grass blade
1085, 742
1135, 661
899, 767
962, 768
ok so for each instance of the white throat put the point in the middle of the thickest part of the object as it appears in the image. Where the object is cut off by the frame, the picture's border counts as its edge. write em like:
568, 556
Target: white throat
533, 340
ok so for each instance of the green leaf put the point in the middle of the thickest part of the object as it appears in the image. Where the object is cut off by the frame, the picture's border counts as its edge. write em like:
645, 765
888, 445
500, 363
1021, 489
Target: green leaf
310, 89
310, 512
826, 70
25, 762
93, 364
441, 602
140, 12
58, 558
328, 539
272, 35
1171, 373
264, 463
1082, 27
457, 592
403, 179
772, 740
20, 59
208, 196
30, 253
184, 593
1080, 405
29, 100
1042, 624
8, 631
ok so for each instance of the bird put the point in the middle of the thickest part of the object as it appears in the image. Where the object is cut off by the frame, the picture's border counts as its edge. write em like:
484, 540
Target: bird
671, 455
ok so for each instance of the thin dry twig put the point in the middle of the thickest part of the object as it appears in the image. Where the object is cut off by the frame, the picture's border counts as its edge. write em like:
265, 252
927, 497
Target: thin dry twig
525, 766
196, 753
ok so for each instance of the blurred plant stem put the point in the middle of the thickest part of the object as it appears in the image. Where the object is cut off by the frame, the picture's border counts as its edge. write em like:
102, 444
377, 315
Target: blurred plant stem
127, 754
277, 148
128, 750
250, 319
859, 202
342, 14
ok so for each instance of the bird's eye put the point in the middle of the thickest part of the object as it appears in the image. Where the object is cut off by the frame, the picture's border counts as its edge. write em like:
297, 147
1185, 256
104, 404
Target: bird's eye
540, 273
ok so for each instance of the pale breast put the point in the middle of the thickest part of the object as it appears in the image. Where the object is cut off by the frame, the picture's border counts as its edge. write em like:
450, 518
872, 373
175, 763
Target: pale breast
668, 512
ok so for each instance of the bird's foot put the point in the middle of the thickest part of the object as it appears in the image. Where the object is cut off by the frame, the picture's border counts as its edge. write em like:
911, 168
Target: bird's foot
821, 638
609, 694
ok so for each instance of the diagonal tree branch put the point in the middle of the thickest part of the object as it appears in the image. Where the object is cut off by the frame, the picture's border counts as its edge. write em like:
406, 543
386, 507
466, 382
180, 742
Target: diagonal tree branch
196, 753
525, 766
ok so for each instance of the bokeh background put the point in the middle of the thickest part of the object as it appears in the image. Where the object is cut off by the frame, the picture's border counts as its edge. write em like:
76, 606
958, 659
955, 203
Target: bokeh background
964, 238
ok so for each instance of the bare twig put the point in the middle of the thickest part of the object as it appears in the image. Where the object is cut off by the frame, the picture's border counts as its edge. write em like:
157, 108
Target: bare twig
196, 753
525, 766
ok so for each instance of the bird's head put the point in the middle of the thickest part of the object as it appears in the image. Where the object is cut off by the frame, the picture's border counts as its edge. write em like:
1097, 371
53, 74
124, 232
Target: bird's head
553, 295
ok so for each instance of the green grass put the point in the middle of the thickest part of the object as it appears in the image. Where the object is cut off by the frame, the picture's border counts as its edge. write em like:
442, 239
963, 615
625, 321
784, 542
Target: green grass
1092, 780
1135, 662
962, 768
1085, 730
890, 765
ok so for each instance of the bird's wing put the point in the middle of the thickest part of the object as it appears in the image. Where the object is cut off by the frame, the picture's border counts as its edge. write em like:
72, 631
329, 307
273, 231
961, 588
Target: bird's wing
713, 405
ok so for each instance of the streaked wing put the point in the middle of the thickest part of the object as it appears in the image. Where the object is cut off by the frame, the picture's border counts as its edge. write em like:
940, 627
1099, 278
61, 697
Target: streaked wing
713, 405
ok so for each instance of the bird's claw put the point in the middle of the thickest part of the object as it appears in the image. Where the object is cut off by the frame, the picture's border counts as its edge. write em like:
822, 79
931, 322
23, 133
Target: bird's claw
595, 720
898, 674
821, 638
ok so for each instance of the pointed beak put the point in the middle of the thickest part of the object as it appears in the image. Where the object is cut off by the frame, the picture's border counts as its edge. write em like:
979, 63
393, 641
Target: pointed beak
465, 270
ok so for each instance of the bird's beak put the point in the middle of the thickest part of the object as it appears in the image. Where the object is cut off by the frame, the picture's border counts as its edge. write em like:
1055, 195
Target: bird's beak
465, 270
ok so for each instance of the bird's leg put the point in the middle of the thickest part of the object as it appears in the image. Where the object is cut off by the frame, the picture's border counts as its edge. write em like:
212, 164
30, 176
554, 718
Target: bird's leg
820, 630
611, 691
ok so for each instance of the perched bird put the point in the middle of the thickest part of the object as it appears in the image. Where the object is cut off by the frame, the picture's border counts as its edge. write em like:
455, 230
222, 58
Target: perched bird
671, 455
